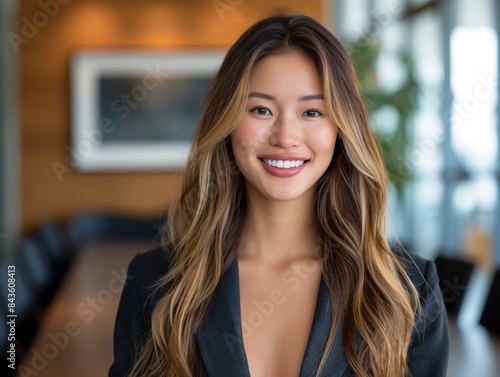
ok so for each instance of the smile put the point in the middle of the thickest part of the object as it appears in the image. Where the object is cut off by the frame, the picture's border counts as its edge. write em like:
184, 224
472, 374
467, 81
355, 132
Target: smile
283, 164
283, 168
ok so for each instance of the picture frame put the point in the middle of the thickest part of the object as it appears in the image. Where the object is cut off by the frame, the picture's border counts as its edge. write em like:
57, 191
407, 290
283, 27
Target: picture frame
137, 110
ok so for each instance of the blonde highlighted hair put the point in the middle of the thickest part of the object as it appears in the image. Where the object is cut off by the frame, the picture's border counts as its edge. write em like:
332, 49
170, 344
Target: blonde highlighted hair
376, 301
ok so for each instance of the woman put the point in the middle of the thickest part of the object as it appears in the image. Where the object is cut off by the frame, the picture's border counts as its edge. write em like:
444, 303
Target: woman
276, 263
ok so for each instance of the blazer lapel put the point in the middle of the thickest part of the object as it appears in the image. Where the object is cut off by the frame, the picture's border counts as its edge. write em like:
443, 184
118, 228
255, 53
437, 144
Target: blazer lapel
336, 363
220, 339
219, 335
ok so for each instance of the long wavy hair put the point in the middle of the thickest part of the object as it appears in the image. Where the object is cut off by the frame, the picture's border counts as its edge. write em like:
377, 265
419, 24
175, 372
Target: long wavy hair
375, 298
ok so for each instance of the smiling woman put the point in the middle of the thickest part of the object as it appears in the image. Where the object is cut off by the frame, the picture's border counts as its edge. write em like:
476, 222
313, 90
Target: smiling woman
285, 129
275, 262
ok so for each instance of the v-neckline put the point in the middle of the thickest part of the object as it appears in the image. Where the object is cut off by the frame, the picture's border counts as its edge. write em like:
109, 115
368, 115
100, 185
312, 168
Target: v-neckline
313, 323
220, 334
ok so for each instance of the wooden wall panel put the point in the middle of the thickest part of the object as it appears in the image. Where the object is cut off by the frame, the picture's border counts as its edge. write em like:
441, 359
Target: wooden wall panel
44, 90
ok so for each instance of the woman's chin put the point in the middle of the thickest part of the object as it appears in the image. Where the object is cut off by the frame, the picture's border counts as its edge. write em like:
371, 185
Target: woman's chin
284, 195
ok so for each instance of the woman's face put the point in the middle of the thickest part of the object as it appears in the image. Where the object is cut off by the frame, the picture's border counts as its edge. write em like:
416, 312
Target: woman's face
285, 141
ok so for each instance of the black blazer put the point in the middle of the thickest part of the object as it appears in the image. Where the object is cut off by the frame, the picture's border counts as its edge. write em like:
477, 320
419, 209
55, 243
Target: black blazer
219, 337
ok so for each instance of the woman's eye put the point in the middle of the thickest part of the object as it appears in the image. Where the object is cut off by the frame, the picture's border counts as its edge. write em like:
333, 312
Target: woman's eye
313, 113
261, 111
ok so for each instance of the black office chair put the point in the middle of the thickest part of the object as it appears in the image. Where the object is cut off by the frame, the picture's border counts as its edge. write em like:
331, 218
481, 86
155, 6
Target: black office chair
454, 276
55, 241
490, 317
90, 227
35, 261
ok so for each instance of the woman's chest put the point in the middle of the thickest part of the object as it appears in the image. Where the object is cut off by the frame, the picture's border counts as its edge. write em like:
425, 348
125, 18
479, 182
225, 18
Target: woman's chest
277, 311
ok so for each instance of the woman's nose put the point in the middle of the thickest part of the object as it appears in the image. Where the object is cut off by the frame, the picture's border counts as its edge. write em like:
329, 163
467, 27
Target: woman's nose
285, 133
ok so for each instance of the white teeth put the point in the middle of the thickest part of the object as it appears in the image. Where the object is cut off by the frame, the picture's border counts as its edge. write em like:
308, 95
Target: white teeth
284, 164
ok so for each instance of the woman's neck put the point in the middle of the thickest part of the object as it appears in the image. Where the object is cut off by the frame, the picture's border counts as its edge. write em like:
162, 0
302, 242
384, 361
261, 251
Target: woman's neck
277, 232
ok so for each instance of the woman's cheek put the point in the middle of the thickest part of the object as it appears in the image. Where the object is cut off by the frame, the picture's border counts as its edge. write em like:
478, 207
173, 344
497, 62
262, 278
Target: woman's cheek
249, 137
323, 138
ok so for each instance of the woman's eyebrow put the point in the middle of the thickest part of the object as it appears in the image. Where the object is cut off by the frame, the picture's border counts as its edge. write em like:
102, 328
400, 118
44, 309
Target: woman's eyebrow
262, 95
312, 97
271, 98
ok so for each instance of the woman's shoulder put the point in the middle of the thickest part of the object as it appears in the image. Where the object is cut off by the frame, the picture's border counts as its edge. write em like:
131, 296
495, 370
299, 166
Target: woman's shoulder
423, 275
137, 302
153, 263
429, 344
145, 270
420, 270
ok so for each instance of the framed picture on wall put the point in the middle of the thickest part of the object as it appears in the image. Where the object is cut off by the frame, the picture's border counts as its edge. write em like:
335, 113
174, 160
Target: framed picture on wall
136, 110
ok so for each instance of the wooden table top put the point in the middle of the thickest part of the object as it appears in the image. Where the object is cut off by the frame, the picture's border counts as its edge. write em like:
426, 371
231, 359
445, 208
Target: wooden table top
76, 336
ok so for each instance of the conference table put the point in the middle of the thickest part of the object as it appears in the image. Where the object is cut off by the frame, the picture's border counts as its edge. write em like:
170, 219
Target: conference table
75, 337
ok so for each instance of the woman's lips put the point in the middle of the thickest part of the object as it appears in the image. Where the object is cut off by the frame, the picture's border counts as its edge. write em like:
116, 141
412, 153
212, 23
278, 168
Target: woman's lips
283, 172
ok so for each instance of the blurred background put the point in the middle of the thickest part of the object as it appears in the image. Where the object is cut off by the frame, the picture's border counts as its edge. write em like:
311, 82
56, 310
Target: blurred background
98, 101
